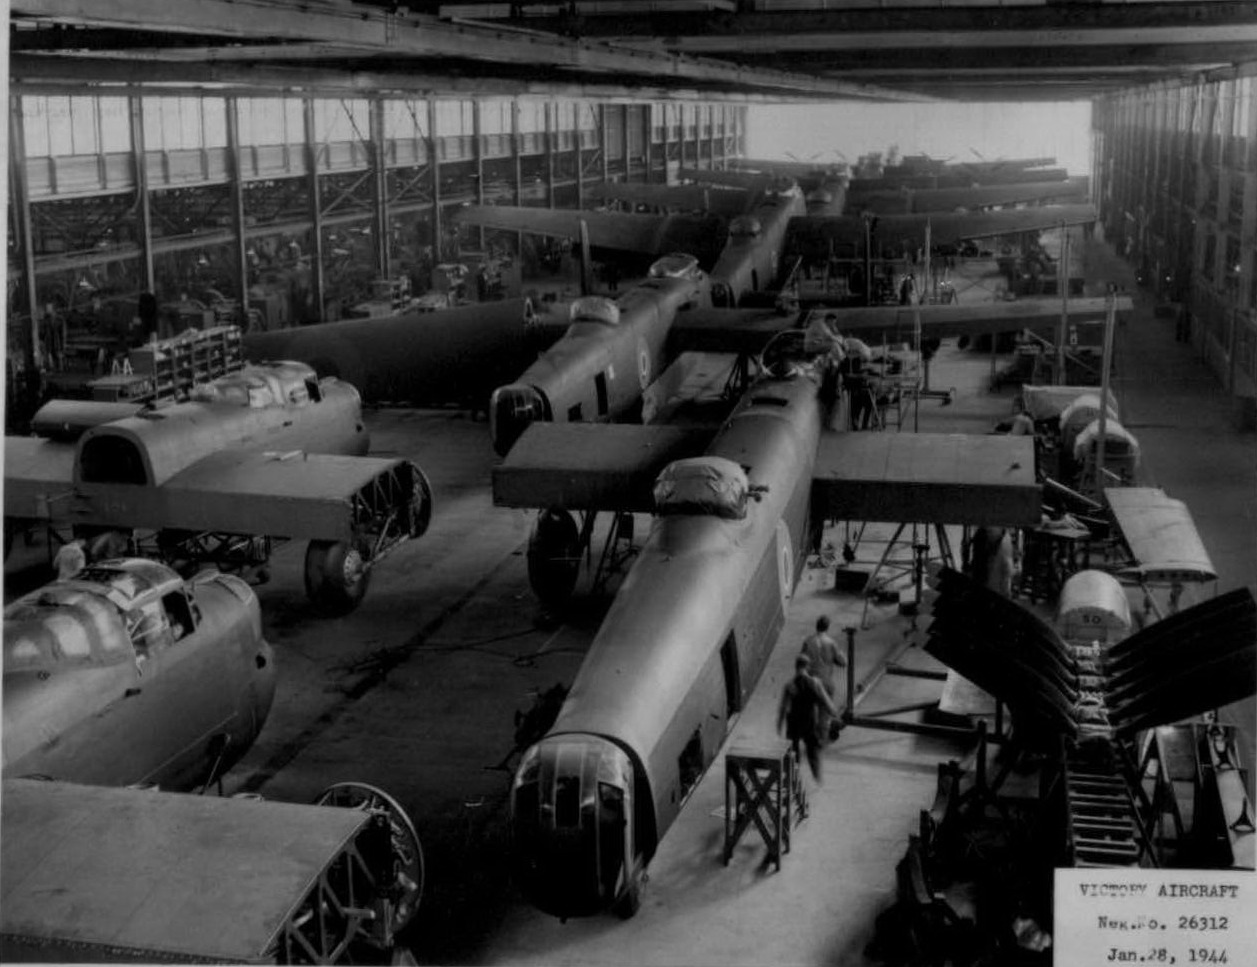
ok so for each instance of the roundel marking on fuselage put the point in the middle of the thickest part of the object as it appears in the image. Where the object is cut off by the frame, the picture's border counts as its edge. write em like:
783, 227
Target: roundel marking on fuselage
643, 365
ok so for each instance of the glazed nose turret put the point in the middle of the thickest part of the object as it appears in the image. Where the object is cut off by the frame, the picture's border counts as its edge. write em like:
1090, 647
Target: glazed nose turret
511, 410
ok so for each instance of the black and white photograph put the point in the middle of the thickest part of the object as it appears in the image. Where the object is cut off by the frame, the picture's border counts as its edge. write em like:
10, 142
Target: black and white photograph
630, 483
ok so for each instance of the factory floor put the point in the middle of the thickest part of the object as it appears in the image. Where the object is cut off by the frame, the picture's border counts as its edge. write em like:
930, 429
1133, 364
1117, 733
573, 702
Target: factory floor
416, 692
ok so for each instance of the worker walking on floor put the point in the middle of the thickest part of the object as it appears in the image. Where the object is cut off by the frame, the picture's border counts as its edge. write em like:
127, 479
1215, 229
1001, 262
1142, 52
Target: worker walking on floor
804, 705
825, 657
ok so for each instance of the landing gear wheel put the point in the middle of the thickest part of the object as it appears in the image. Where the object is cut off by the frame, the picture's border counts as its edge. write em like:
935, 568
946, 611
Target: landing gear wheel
336, 575
421, 504
406, 885
554, 557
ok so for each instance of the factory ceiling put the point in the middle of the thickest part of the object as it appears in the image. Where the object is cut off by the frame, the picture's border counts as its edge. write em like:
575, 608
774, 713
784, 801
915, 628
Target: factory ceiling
778, 50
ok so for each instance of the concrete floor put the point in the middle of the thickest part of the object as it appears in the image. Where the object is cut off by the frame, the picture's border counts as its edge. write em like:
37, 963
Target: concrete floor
416, 692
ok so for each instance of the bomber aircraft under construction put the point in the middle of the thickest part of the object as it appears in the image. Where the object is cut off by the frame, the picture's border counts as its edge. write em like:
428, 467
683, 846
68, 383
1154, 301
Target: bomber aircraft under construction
268, 452
736, 510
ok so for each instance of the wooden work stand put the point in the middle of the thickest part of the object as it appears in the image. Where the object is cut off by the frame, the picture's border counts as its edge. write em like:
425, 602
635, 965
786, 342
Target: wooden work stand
762, 788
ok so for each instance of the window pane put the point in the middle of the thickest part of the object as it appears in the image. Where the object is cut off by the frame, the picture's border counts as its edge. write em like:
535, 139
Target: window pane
60, 142
294, 111
215, 123
152, 123
115, 124
83, 125
35, 125
191, 134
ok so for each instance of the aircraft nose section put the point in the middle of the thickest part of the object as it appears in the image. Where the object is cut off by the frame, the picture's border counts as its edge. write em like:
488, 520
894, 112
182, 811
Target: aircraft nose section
511, 410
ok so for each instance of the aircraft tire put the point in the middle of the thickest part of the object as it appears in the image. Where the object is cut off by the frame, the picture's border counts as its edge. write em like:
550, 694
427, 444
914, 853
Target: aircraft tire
408, 865
336, 576
554, 557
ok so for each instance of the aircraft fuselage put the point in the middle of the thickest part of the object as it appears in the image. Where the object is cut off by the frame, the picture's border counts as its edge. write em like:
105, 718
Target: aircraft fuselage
749, 261
128, 674
602, 366
677, 656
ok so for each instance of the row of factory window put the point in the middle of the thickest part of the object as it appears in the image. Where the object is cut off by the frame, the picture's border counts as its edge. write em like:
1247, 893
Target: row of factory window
1189, 108
59, 126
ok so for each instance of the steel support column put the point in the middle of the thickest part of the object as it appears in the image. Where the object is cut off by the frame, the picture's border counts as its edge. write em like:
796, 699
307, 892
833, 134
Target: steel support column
477, 129
515, 153
711, 135
580, 159
666, 108
236, 187
316, 205
627, 152
135, 107
379, 180
19, 196
551, 136
602, 134
648, 116
435, 156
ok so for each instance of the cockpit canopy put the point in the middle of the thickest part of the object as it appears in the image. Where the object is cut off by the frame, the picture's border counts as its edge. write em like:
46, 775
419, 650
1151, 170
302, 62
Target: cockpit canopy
274, 384
745, 226
595, 308
711, 486
675, 265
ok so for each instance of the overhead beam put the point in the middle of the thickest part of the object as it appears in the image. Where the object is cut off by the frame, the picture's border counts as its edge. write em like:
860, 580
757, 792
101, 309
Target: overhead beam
1193, 57
831, 42
37, 74
378, 32
1080, 18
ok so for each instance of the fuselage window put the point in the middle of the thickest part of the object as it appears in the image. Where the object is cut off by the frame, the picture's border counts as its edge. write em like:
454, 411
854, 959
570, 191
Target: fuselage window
148, 628
690, 762
180, 614
600, 387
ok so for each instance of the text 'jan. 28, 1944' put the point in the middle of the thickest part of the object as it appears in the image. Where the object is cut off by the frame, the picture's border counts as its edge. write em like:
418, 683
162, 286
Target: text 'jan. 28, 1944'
1138, 916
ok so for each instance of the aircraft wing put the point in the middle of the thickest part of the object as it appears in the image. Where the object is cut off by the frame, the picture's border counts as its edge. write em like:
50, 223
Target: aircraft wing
934, 478
294, 494
1161, 535
37, 475
94, 873
592, 466
727, 202
742, 331
946, 228
629, 233
982, 196
755, 180
896, 323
